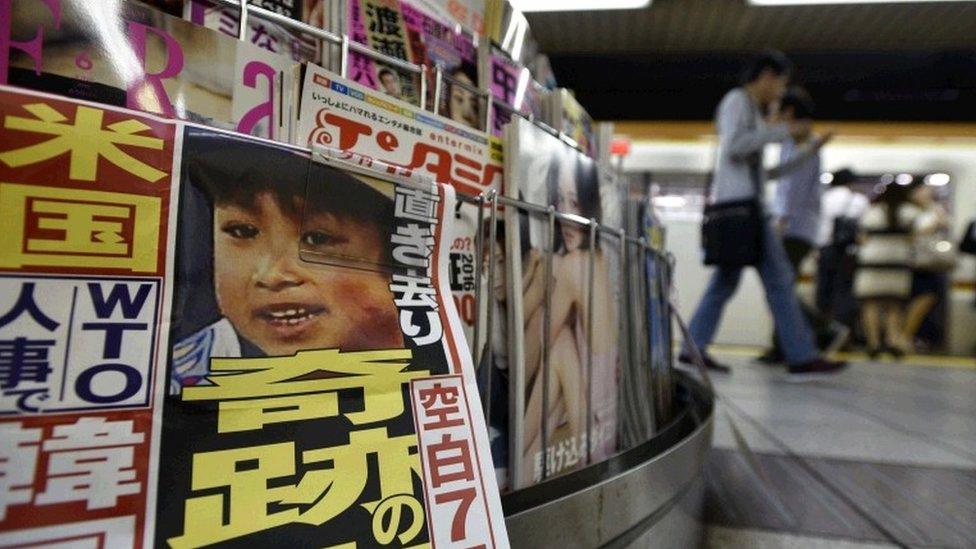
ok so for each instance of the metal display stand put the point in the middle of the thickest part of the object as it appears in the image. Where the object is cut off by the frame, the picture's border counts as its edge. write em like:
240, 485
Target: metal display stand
648, 482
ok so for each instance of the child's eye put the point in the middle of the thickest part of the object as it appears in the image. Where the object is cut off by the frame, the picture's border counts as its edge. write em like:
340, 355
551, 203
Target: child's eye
241, 230
318, 238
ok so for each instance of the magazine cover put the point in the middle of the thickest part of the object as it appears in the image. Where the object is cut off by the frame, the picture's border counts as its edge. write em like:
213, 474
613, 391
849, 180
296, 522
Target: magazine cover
549, 172
88, 201
637, 419
470, 14
660, 337
610, 283
127, 54
265, 34
541, 69
405, 31
570, 118
603, 135
319, 403
512, 86
507, 28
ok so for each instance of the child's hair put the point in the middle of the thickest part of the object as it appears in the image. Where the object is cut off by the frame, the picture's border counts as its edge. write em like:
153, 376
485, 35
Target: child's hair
769, 60
235, 170
799, 100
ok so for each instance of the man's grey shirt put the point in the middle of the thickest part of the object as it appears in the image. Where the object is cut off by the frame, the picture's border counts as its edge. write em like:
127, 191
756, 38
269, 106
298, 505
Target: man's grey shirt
742, 133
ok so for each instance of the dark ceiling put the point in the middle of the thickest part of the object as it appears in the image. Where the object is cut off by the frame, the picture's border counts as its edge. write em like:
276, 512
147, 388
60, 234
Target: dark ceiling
673, 60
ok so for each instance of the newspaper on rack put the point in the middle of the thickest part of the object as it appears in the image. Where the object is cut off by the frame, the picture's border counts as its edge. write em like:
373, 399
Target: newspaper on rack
320, 380
88, 202
264, 332
341, 114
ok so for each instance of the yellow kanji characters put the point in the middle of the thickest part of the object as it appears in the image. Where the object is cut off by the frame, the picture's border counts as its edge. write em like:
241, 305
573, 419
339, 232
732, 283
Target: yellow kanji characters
81, 228
85, 139
251, 504
254, 392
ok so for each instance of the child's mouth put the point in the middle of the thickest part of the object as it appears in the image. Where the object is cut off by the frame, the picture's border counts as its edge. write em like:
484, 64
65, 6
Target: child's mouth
289, 318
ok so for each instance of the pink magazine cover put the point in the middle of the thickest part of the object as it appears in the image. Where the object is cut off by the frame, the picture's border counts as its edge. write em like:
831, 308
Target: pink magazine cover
130, 55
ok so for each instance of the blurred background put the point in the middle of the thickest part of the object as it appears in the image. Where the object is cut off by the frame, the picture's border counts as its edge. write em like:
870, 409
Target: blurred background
895, 80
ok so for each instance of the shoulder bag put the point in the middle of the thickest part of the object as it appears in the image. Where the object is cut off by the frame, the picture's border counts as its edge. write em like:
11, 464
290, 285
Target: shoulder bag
732, 232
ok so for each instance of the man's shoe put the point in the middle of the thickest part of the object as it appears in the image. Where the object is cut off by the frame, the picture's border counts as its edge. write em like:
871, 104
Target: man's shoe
814, 369
836, 338
771, 357
710, 364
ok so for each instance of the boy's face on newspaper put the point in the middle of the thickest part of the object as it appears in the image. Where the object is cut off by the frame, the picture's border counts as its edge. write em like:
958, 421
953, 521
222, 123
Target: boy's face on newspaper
283, 304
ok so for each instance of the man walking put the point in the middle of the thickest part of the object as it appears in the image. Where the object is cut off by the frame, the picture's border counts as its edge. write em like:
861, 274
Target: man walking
796, 209
743, 135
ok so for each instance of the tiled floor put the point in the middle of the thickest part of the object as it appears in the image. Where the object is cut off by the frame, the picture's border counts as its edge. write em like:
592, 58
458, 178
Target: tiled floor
884, 454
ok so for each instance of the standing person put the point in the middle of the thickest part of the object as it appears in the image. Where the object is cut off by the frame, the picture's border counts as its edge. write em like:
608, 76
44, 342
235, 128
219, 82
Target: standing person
883, 282
743, 135
929, 280
841, 210
968, 243
796, 208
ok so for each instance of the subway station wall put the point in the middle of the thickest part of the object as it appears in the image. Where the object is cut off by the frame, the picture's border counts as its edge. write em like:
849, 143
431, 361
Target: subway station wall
746, 320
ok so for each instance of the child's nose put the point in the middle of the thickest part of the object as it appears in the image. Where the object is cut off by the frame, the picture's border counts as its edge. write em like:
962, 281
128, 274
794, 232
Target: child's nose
280, 272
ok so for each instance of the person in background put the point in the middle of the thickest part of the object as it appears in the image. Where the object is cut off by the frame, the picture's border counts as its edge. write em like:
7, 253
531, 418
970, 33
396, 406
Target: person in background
841, 211
929, 282
743, 134
883, 282
796, 209
968, 243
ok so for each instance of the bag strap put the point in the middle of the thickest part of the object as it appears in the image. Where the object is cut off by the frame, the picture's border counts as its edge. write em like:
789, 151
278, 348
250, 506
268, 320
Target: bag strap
755, 159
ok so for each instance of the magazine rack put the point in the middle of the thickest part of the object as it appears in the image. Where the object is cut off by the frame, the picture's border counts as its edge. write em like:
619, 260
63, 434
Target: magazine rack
656, 482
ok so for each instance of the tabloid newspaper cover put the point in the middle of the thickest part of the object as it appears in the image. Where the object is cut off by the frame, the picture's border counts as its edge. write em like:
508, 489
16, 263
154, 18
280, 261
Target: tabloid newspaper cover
551, 173
405, 31
87, 198
126, 54
340, 114
264, 34
321, 393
